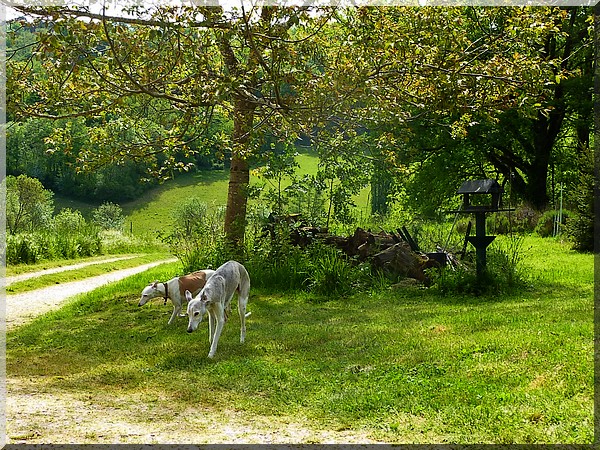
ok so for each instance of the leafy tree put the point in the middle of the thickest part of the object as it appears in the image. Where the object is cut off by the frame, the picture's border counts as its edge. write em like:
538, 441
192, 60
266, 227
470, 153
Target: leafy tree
277, 161
109, 216
184, 62
529, 152
495, 86
439, 80
26, 151
50, 150
28, 205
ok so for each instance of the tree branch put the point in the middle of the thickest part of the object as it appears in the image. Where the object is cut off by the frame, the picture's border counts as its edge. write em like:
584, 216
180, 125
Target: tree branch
55, 11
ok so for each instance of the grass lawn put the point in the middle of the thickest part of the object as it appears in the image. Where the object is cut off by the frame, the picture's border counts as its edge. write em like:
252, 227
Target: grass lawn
406, 365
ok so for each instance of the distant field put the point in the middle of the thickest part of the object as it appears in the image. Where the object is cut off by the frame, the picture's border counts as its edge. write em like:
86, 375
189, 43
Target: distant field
152, 212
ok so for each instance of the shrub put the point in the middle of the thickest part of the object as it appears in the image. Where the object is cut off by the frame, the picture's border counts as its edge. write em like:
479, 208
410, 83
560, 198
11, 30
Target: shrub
197, 237
275, 262
29, 248
331, 274
547, 222
581, 227
109, 216
21, 249
499, 224
114, 242
68, 221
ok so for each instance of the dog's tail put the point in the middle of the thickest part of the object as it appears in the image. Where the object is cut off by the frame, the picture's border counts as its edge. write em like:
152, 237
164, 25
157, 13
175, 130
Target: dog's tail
248, 314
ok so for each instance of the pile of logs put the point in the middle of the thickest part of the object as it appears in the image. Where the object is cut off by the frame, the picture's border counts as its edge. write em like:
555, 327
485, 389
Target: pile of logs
394, 253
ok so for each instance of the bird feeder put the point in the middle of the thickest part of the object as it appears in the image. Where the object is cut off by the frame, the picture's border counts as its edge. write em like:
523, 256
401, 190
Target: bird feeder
480, 197
490, 190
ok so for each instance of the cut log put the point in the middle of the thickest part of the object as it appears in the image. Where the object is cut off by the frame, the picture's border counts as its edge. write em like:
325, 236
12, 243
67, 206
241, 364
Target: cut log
399, 259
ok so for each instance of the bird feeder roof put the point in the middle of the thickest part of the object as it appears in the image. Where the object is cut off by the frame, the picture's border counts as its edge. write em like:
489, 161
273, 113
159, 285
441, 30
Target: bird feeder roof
488, 186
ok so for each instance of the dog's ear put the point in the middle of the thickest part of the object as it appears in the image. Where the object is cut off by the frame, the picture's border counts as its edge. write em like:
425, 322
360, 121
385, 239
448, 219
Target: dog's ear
188, 295
154, 284
205, 298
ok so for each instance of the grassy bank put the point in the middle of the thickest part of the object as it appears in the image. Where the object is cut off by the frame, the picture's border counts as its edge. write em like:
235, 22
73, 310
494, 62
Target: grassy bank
406, 365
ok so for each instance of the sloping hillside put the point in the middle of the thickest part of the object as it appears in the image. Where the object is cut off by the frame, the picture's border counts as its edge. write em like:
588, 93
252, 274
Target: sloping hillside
152, 212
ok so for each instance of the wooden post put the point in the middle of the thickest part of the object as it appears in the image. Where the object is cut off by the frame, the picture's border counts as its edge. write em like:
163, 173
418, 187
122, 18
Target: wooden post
480, 241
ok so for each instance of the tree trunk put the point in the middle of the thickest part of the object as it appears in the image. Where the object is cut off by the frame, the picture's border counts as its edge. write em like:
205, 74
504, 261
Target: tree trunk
545, 134
239, 179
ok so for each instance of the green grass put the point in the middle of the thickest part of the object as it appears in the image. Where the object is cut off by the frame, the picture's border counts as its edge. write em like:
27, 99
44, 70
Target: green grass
152, 212
19, 269
406, 365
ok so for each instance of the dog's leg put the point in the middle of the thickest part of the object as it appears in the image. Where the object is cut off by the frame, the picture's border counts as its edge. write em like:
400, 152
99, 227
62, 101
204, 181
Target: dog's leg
176, 310
211, 326
242, 311
220, 319
243, 294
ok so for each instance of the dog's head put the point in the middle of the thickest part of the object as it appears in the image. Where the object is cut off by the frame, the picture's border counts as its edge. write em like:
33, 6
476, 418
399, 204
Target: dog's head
149, 293
196, 309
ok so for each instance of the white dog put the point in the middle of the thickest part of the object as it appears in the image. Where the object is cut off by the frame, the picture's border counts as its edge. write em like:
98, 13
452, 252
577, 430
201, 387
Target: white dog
175, 289
215, 298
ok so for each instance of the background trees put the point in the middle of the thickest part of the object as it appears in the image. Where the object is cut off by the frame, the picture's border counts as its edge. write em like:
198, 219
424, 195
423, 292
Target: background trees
501, 93
162, 75
28, 204
411, 100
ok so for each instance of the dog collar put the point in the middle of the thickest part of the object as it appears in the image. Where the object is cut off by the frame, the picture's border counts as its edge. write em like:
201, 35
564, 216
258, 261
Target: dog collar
166, 292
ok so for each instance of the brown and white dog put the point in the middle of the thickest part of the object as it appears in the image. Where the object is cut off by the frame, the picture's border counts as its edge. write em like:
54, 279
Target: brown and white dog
175, 289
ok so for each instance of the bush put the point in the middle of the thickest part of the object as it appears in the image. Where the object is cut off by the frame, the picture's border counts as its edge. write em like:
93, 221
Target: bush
29, 248
499, 224
581, 226
331, 273
109, 216
21, 249
197, 237
278, 265
115, 242
68, 221
546, 225
523, 220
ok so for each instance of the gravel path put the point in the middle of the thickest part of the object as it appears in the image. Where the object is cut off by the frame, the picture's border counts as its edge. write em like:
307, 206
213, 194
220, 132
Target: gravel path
26, 276
21, 308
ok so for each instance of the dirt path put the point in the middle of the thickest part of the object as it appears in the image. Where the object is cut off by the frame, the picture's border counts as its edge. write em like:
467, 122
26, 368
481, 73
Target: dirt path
26, 276
36, 413
21, 308
38, 416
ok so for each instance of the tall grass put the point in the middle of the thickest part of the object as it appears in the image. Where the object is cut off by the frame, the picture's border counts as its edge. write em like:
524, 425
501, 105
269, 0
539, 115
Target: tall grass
504, 271
28, 248
48, 245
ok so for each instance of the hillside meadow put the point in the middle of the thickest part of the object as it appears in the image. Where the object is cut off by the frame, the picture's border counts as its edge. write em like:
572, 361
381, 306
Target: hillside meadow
399, 364
153, 211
